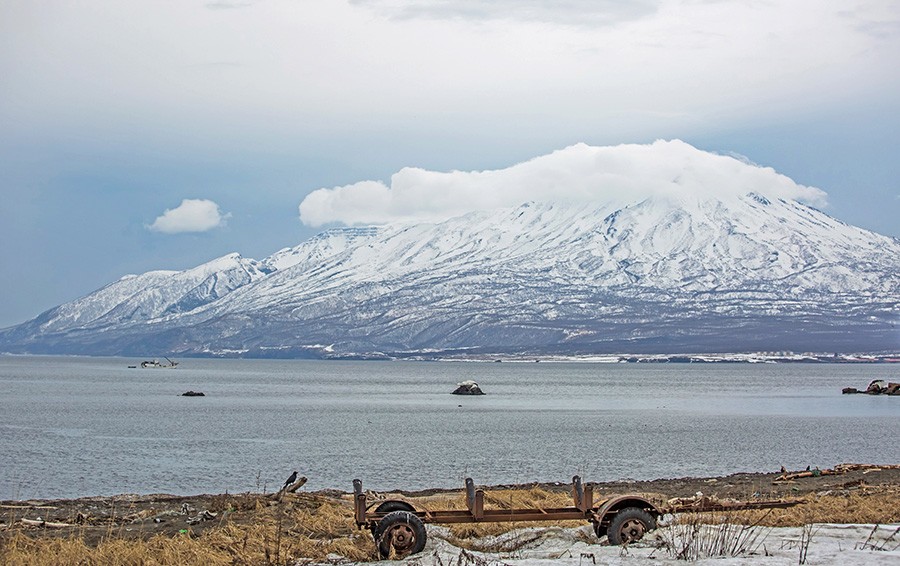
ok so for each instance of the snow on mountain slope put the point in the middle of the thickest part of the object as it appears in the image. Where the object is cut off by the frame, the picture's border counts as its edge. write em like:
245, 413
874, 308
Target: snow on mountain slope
683, 267
544, 274
655, 244
155, 294
319, 247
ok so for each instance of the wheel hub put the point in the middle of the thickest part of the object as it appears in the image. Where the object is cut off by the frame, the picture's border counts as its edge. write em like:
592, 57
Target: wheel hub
402, 538
632, 530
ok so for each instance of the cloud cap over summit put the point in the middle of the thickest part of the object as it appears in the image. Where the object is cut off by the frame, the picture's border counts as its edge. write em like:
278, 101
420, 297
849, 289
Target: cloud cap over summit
579, 173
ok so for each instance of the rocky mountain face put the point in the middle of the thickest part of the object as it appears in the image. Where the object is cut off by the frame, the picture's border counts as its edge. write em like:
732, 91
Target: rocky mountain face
666, 274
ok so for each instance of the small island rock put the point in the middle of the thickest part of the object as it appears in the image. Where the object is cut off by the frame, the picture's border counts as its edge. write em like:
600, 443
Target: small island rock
468, 387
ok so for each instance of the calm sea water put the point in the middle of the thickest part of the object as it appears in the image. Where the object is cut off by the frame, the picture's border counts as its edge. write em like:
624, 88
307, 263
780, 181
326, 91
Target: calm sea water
90, 426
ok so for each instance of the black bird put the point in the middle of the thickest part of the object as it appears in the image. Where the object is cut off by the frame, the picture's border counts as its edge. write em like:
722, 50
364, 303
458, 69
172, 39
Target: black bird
783, 470
290, 480
807, 468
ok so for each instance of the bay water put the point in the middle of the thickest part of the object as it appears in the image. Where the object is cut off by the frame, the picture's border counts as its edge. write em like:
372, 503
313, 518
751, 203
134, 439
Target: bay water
72, 426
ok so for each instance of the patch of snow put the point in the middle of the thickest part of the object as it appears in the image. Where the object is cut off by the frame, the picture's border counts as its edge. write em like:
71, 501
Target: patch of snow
829, 544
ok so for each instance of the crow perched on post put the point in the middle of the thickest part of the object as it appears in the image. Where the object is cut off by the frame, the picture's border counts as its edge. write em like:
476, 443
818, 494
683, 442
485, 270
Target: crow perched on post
290, 480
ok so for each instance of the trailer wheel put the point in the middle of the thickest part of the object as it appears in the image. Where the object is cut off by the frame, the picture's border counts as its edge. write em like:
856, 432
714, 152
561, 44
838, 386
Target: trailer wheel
400, 532
629, 524
389, 506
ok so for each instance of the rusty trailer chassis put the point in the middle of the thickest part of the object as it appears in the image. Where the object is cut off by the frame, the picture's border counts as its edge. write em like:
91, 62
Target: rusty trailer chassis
398, 528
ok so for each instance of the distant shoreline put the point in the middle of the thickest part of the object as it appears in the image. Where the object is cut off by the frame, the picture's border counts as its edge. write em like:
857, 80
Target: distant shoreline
696, 358
707, 358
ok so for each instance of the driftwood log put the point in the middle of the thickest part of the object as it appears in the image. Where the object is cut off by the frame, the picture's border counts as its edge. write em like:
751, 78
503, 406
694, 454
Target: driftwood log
45, 524
705, 504
838, 470
279, 495
806, 474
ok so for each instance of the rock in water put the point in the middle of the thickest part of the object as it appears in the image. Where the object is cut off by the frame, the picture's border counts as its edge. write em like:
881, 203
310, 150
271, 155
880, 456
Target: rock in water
468, 387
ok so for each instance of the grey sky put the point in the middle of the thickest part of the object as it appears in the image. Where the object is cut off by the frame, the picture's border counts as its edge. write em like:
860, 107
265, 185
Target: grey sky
113, 113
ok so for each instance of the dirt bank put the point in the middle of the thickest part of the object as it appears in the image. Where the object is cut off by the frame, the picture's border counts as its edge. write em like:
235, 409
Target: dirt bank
93, 519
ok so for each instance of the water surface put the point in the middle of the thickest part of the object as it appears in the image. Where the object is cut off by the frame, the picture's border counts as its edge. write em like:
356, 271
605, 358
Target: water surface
91, 426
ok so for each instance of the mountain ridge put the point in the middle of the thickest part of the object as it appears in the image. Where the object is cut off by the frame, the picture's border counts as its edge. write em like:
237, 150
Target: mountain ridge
668, 273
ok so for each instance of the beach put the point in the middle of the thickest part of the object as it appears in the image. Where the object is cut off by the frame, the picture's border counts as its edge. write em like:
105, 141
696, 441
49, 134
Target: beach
306, 527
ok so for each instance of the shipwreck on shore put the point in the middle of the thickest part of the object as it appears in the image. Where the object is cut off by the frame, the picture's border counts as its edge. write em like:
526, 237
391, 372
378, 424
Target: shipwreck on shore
876, 387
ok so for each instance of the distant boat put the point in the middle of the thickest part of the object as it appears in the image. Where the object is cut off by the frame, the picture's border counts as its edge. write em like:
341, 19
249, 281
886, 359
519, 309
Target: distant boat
158, 364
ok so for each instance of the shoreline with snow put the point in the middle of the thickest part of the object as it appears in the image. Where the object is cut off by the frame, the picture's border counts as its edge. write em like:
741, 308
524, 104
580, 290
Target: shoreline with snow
835, 525
819, 543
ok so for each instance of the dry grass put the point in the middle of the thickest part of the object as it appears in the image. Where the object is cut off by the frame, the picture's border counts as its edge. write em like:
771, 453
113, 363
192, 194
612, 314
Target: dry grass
865, 505
309, 527
280, 534
532, 498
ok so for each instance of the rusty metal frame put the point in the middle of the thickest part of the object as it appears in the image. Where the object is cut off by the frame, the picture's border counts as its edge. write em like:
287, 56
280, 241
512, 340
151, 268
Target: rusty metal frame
583, 508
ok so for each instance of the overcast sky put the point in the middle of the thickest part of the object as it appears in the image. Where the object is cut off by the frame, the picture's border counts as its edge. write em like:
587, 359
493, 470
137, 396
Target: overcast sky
139, 135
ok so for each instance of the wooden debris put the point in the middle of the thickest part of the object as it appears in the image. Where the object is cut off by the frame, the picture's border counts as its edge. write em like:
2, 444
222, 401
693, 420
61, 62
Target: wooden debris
703, 504
298, 483
807, 474
837, 470
45, 524
869, 467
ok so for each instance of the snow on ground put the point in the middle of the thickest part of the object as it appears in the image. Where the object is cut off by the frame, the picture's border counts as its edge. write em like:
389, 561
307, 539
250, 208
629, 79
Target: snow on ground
831, 544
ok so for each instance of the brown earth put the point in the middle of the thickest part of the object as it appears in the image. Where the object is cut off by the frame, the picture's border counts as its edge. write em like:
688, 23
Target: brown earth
131, 517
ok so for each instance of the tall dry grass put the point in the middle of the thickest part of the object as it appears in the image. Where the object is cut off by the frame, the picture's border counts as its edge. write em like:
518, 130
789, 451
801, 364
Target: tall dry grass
308, 526
280, 534
880, 505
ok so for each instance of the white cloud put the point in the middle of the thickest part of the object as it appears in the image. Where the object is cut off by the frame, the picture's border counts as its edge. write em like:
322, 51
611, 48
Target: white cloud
578, 12
228, 4
192, 215
635, 69
579, 173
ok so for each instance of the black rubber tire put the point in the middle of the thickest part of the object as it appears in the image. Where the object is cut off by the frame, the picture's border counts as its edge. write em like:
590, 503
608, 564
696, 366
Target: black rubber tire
629, 524
400, 534
394, 505
389, 506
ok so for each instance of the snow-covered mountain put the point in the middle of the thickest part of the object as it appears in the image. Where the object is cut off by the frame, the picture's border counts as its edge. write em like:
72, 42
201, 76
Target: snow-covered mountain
677, 271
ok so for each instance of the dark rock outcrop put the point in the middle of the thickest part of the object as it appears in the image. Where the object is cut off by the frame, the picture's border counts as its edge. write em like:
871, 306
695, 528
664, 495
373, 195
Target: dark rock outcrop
468, 388
876, 387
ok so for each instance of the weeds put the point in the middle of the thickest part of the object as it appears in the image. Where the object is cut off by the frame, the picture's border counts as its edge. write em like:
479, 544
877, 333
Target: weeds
891, 543
691, 538
806, 534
